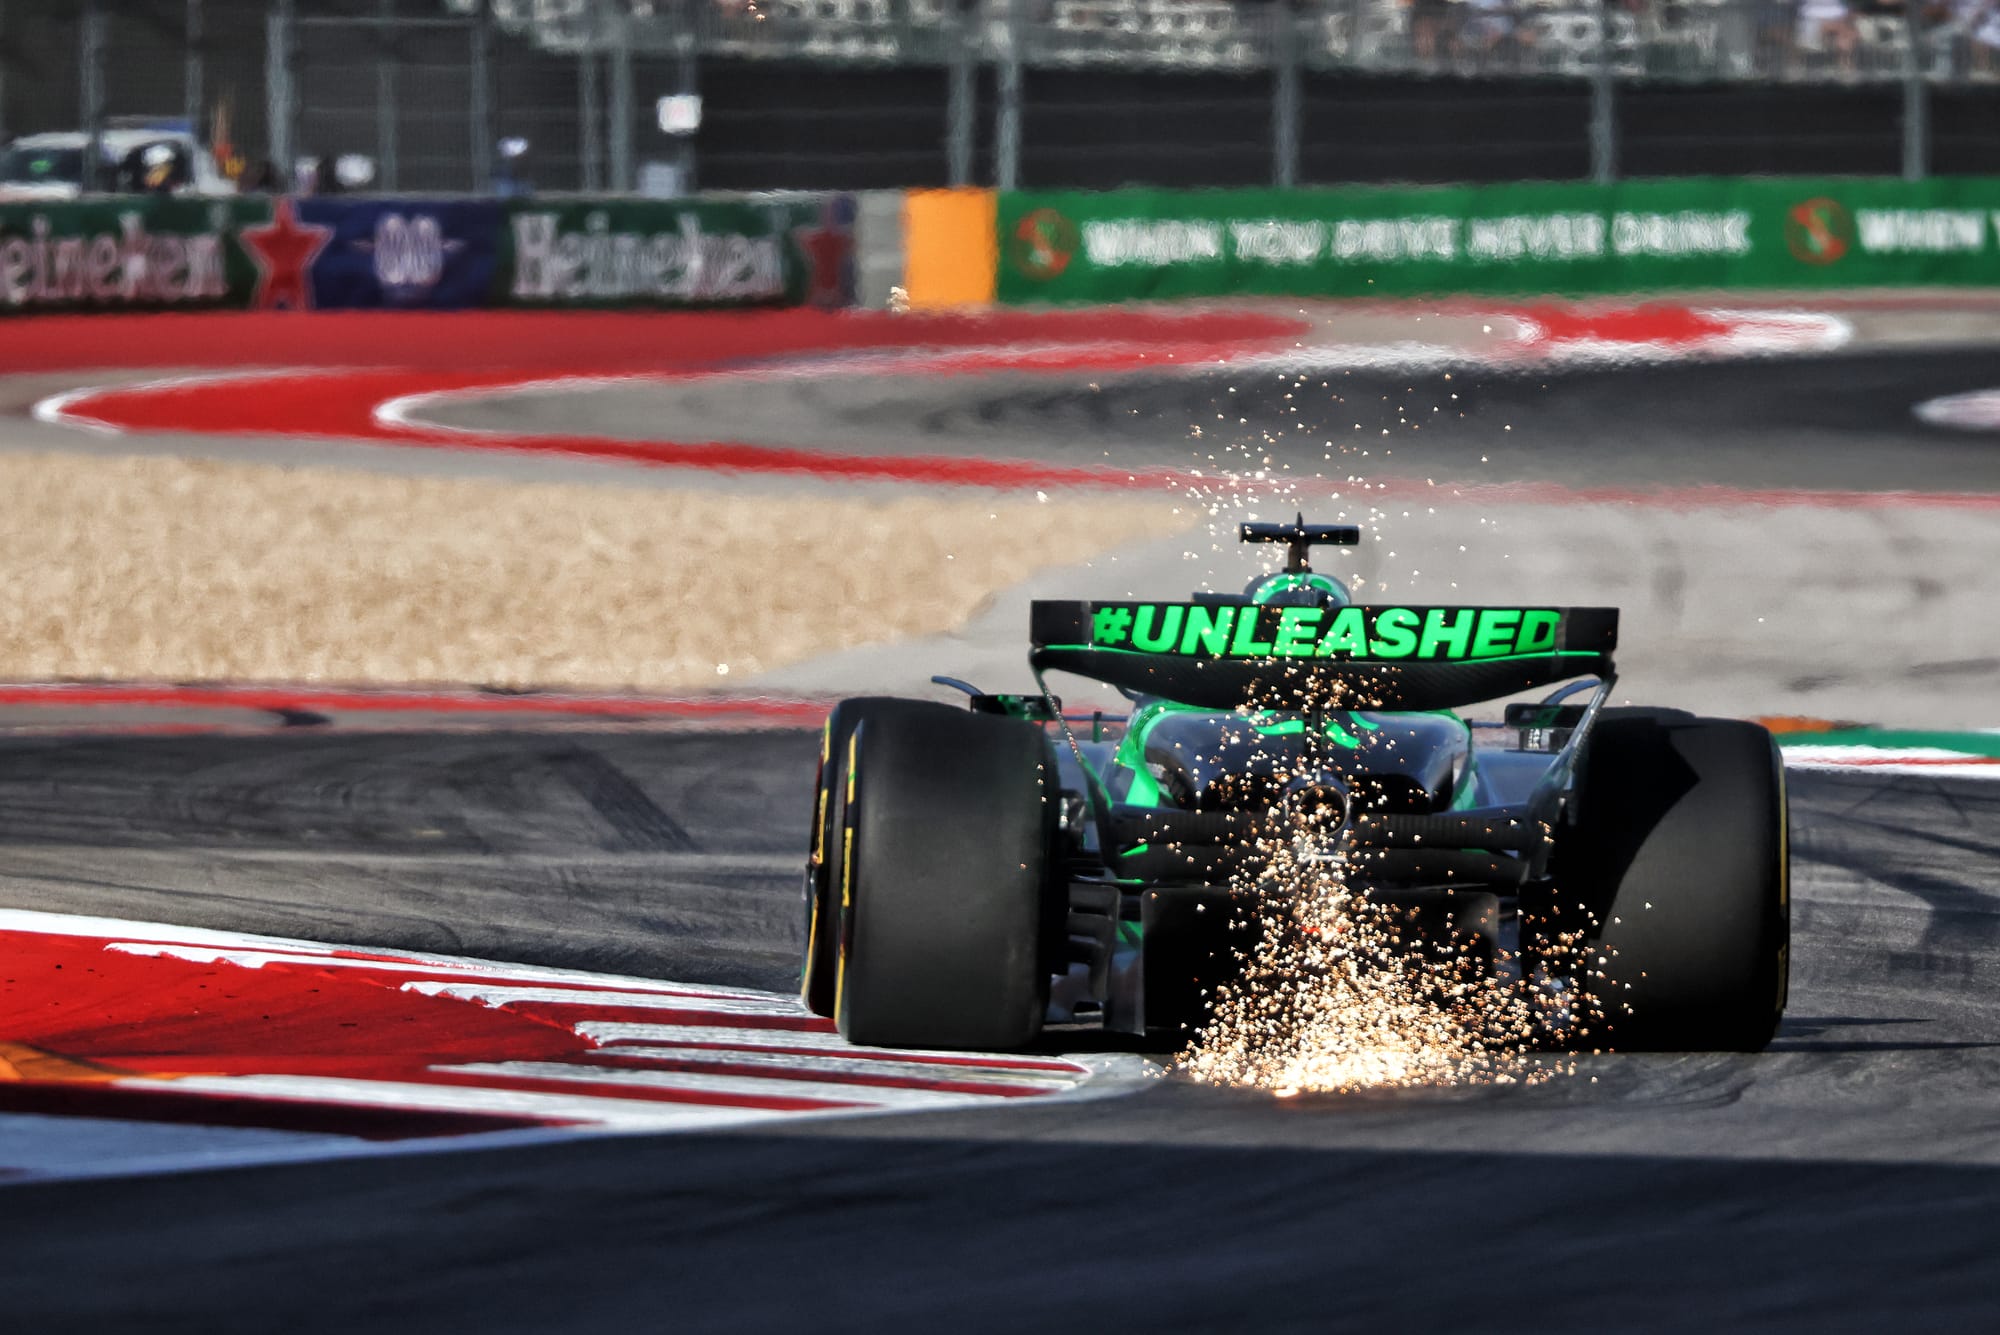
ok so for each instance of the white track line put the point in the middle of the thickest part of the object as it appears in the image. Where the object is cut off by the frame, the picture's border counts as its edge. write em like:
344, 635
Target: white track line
698, 1082
60, 409
135, 936
710, 998
1003, 1080
487, 994
625, 1032
614, 1113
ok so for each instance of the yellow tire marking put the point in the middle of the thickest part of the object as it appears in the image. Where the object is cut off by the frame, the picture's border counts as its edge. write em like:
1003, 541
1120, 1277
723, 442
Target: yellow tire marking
816, 860
1784, 887
846, 879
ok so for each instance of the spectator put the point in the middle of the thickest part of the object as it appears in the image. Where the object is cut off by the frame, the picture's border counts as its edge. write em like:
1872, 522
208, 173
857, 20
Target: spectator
1777, 23
1982, 24
1489, 26
1828, 25
1428, 38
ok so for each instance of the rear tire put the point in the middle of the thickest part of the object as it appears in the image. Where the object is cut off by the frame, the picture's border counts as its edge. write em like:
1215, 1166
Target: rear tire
1675, 872
943, 879
822, 892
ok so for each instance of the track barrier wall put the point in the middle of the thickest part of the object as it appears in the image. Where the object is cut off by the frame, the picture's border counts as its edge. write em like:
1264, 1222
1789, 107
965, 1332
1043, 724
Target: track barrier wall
123, 253
970, 247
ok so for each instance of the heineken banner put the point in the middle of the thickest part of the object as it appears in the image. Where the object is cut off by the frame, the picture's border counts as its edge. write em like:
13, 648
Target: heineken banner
126, 254
628, 252
1722, 233
339, 253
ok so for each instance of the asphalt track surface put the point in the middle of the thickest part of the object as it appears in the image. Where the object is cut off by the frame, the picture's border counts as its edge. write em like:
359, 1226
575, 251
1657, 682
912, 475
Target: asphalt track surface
1848, 1179
1840, 422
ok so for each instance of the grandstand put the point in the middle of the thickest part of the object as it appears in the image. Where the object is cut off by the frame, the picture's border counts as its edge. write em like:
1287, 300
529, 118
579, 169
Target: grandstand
1633, 39
821, 94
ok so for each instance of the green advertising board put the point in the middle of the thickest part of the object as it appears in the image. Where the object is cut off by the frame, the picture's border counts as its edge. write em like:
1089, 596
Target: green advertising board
584, 252
1637, 236
138, 253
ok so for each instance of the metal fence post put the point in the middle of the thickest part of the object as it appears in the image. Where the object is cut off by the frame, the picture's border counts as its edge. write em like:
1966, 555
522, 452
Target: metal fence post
961, 96
387, 114
621, 103
687, 82
1603, 111
590, 145
482, 99
280, 97
1007, 135
1285, 97
191, 86
90, 54
1916, 99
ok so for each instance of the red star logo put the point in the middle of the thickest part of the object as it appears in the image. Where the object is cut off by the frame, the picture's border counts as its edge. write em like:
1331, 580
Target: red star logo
283, 250
827, 247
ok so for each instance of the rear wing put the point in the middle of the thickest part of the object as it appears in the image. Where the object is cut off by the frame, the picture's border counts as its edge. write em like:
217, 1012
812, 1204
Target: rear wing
1222, 657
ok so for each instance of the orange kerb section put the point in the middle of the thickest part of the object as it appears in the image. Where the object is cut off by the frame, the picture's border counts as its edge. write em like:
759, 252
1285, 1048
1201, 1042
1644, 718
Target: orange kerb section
950, 251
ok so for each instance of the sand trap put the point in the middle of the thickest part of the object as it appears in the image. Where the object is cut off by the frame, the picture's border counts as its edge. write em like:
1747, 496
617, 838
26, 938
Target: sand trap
191, 570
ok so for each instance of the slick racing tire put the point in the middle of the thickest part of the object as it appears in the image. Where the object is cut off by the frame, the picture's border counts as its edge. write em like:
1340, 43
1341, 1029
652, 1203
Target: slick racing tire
943, 880
822, 902
1673, 884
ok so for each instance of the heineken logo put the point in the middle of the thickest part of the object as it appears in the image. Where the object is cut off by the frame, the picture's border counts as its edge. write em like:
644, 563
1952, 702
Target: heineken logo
1043, 244
131, 266
598, 263
1451, 634
1818, 231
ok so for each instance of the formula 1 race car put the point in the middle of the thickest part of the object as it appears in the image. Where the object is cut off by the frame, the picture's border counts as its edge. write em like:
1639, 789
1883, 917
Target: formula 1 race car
977, 873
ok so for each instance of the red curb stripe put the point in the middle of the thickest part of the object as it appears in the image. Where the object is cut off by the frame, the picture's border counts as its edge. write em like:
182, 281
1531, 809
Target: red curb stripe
250, 1031
161, 1102
545, 342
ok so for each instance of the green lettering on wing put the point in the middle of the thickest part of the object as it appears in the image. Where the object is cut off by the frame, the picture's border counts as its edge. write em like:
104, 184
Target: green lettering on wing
1245, 643
1157, 627
1296, 628
1538, 632
1496, 632
1208, 629
1347, 635
1454, 636
1431, 634
1395, 633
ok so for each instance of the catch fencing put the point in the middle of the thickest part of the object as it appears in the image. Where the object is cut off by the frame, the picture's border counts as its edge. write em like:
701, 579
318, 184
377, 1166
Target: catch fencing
1019, 92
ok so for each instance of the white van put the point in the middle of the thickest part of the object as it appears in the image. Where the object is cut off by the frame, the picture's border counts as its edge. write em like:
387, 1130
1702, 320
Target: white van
135, 157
